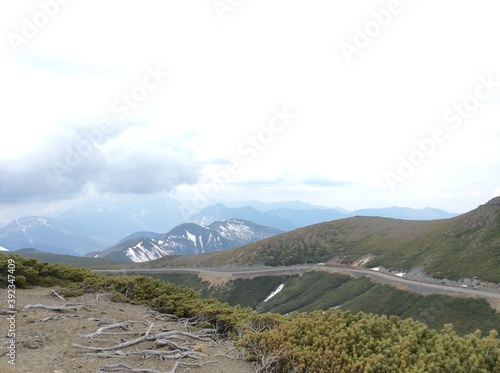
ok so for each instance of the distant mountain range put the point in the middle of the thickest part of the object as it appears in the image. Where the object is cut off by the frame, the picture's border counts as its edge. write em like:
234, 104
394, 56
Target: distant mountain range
465, 246
48, 235
189, 238
219, 212
96, 225
405, 213
288, 218
115, 218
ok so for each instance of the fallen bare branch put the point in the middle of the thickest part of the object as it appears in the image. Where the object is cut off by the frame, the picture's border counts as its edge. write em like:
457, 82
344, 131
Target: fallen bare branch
58, 317
174, 354
104, 355
123, 324
171, 333
125, 368
177, 363
166, 342
58, 295
120, 345
162, 316
62, 308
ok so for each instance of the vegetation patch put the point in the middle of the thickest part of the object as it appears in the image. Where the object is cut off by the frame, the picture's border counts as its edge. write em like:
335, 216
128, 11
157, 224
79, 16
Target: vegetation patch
314, 291
321, 341
247, 292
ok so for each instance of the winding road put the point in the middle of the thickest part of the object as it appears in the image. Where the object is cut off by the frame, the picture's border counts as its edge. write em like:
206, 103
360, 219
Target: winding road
376, 276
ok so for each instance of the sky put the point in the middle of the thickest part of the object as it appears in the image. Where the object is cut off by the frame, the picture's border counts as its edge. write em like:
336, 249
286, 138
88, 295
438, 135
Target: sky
340, 104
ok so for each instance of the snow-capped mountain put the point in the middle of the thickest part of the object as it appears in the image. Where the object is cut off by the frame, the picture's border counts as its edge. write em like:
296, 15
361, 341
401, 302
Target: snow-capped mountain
190, 238
46, 234
243, 231
135, 250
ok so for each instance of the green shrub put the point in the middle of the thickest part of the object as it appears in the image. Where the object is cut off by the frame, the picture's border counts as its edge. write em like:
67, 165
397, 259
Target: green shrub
321, 341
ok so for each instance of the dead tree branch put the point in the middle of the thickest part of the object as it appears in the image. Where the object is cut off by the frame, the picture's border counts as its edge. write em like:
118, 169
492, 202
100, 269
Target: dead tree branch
120, 345
65, 307
58, 317
125, 368
58, 295
124, 325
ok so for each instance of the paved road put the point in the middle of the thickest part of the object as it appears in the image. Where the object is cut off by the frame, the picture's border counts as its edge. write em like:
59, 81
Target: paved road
418, 286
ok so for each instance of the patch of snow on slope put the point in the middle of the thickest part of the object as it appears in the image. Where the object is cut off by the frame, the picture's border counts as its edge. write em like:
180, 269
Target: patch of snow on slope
139, 253
135, 255
275, 292
236, 229
191, 237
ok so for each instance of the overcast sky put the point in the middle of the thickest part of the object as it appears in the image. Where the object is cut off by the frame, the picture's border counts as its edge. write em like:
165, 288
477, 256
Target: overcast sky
351, 104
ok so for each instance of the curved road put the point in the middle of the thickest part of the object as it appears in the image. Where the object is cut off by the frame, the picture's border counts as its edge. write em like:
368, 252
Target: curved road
380, 277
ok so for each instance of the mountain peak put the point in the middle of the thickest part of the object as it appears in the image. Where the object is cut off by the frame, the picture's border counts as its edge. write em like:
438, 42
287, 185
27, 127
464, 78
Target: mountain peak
495, 202
191, 238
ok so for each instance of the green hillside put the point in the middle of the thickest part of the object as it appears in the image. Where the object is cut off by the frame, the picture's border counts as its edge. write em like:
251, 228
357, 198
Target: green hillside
465, 246
331, 341
314, 291
79, 261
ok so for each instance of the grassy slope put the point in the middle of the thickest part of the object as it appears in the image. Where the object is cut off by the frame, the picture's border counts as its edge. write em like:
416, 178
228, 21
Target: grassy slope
321, 291
464, 246
78, 261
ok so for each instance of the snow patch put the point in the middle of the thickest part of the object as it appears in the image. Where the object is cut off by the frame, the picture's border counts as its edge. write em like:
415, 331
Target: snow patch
139, 253
191, 237
275, 292
3, 248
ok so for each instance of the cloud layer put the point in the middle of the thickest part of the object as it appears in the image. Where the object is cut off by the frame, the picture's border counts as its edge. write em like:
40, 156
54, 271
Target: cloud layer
69, 162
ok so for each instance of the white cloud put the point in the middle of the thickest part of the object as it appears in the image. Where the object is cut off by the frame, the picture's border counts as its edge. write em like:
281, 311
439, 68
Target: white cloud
496, 192
353, 120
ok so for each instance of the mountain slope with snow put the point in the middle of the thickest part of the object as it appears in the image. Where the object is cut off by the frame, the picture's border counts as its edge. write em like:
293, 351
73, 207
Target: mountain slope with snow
190, 238
46, 234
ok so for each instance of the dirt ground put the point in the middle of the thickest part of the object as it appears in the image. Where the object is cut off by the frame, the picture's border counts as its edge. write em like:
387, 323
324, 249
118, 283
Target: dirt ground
47, 346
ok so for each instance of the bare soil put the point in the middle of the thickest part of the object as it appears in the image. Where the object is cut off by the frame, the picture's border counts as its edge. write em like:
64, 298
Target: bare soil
47, 346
